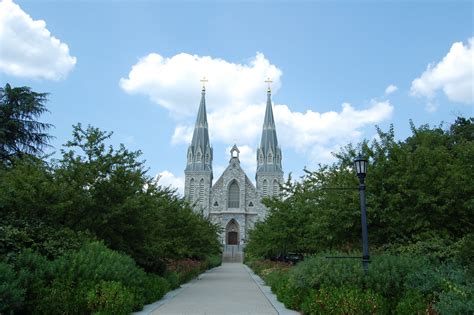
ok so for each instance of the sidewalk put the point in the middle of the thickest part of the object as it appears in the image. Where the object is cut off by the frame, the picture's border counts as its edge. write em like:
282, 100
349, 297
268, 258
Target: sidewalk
229, 289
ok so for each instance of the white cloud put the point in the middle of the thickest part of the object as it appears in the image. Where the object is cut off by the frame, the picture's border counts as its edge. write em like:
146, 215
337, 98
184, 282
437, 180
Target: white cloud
28, 49
454, 75
168, 179
174, 83
235, 102
390, 89
301, 130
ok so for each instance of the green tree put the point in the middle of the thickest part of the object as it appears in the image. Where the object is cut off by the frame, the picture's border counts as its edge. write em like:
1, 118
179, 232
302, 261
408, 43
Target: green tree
419, 189
20, 131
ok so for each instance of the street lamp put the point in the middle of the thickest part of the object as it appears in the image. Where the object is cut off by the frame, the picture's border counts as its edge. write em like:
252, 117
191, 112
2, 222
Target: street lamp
360, 165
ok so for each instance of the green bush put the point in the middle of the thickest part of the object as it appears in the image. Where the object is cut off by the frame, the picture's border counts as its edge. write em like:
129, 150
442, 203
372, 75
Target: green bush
173, 279
155, 288
34, 273
388, 274
286, 292
62, 296
319, 271
213, 261
344, 300
80, 280
95, 262
458, 300
12, 294
395, 284
110, 298
412, 302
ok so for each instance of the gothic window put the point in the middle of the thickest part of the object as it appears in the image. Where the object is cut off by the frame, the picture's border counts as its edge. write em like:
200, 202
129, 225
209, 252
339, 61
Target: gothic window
191, 189
190, 157
251, 204
216, 204
201, 190
207, 157
270, 158
265, 187
198, 157
260, 158
234, 195
275, 188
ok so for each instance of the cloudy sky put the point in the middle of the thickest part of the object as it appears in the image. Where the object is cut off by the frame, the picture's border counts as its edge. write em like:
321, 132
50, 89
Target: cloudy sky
338, 69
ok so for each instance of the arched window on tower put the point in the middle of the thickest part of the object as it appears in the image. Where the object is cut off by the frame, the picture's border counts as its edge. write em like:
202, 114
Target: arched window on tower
275, 188
270, 158
198, 157
191, 189
234, 195
201, 190
190, 157
265, 187
260, 158
207, 158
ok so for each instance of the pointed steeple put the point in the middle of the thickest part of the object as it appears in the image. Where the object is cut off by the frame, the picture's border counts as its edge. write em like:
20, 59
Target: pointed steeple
200, 150
269, 153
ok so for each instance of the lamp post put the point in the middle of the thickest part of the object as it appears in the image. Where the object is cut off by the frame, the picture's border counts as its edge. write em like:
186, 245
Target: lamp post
360, 165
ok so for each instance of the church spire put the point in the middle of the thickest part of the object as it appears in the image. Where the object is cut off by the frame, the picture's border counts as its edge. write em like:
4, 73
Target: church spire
269, 153
200, 150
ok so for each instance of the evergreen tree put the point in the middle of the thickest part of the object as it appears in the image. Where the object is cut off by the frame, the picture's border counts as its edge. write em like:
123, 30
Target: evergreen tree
20, 131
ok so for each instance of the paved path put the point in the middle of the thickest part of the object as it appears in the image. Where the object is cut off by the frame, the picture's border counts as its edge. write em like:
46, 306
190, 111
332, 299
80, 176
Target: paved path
229, 289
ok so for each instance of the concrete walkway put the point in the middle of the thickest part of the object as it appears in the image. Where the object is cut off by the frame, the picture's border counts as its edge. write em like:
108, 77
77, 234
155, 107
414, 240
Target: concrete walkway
229, 289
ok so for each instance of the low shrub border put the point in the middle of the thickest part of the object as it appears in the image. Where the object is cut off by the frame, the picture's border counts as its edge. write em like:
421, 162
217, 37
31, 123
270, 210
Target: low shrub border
91, 280
394, 285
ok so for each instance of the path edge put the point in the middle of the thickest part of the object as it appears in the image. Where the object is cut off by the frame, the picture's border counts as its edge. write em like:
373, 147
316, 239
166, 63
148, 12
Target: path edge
267, 291
150, 308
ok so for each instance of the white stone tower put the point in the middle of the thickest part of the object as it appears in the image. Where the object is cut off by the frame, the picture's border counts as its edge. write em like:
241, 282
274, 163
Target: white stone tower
198, 172
269, 174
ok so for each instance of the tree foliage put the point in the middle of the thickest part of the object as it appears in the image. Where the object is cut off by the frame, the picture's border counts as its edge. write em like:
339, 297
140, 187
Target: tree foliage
417, 189
20, 132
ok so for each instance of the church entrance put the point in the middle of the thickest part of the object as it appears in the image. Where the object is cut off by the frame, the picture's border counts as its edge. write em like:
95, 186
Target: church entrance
232, 238
232, 233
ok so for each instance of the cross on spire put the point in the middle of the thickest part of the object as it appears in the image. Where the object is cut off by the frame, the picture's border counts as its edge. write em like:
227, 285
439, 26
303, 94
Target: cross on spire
269, 82
204, 80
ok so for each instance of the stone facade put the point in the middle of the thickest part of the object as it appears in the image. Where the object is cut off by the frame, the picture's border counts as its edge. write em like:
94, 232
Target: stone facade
233, 202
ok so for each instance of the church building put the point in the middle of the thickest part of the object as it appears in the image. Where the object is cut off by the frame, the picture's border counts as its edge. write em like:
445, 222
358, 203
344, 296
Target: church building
233, 202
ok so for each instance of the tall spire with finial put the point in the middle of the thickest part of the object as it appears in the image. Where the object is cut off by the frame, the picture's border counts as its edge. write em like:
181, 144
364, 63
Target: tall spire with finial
269, 153
200, 150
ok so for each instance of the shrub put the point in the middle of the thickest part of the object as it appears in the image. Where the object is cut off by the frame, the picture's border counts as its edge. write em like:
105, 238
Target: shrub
213, 261
186, 269
173, 280
95, 262
12, 294
80, 280
457, 301
285, 291
34, 274
343, 300
412, 302
155, 288
110, 298
388, 274
62, 296
319, 271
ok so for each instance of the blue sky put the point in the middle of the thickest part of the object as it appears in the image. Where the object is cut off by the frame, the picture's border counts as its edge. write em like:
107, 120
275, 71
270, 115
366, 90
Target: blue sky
133, 67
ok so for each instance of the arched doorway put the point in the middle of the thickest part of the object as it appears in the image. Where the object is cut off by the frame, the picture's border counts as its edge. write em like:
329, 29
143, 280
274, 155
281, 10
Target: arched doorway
232, 233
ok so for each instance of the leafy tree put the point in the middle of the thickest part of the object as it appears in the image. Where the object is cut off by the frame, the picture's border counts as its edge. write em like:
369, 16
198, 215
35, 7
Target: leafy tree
20, 132
417, 190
